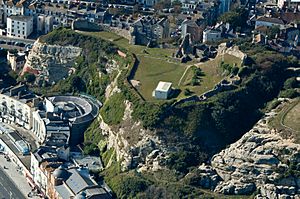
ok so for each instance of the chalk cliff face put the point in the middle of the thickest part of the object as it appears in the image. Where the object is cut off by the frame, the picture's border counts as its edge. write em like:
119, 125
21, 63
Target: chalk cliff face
135, 147
51, 62
262, 160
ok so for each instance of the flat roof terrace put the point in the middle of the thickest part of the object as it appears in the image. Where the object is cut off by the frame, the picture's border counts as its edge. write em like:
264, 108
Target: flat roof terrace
25, 159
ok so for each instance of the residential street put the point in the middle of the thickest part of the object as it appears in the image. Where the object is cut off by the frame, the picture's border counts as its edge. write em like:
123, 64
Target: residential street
7, 188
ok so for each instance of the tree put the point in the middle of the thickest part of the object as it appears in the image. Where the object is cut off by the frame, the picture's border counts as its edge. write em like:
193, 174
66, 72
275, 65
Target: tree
128, 186
290, 93
29, 77
236, 18
273, 31
291, 83
177, 7
162, 4
77, 84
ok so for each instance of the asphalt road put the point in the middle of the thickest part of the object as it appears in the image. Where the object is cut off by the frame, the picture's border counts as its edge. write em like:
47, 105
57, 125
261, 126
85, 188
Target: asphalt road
8, 189
11, 47
13, 39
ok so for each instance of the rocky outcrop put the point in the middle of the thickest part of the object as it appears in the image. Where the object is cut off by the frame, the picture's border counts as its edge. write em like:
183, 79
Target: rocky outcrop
261, 160
136, 147
51, 62
185, 49
226, 48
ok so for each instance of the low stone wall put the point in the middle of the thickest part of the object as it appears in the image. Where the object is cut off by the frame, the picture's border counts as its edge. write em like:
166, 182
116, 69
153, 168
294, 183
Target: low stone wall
121, 32
218, 88
85, 25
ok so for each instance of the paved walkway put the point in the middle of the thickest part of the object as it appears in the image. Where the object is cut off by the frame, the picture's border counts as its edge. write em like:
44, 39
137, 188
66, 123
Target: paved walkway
8, 188
17, 177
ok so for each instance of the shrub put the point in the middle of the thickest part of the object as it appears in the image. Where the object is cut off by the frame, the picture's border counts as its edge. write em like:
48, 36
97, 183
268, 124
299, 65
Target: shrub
113, 109
244, 71
187, 92
28, 77
290, 93
291, 83
235, 70
91, 149
127, 186
273, 104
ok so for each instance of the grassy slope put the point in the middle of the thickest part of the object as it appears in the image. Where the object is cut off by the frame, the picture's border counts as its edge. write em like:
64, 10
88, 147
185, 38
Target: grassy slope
288, 115
213, 75
292, 118
151, 71
157, 64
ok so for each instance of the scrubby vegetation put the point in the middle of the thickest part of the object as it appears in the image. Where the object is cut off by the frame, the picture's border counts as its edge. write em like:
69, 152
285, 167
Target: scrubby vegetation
113, 109
90, 76
195, 130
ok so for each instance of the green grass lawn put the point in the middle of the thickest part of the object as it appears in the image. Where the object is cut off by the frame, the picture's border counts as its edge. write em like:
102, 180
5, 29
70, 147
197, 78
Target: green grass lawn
288, 115
292, 118
137, 49
151, 71
212, 75
157, 64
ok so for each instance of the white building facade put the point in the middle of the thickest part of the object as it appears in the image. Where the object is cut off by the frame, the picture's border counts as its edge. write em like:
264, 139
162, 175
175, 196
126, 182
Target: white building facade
16, 60
19, 26
44, 24
211, 35
13, 111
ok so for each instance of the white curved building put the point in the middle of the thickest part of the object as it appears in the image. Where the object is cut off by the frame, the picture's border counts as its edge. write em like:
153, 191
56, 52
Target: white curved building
60, 118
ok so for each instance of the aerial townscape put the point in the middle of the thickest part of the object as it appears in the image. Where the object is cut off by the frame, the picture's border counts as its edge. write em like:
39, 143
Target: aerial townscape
150, 99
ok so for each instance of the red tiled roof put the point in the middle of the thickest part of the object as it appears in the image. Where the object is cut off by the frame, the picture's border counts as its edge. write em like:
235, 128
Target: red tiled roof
271, 20
30, 70
289, 17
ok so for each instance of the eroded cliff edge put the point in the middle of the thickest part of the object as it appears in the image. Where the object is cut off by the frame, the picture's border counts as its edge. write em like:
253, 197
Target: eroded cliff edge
265, 161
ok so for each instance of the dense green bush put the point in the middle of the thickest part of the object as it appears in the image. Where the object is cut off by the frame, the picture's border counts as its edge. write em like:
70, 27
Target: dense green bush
91, 149
291, 83
236, 18
93, 133
90, 76
113, 110
127, 186
290, 93
28, 77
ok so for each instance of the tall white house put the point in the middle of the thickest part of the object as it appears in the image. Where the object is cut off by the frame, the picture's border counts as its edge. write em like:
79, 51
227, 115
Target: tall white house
19, 26
9, 8
44, 24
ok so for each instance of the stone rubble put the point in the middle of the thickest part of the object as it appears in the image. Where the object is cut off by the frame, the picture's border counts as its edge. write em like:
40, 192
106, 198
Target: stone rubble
44, 57
260, 162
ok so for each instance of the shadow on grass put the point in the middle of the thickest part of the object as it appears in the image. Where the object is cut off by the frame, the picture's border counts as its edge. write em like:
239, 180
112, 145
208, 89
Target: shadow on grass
175, 93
